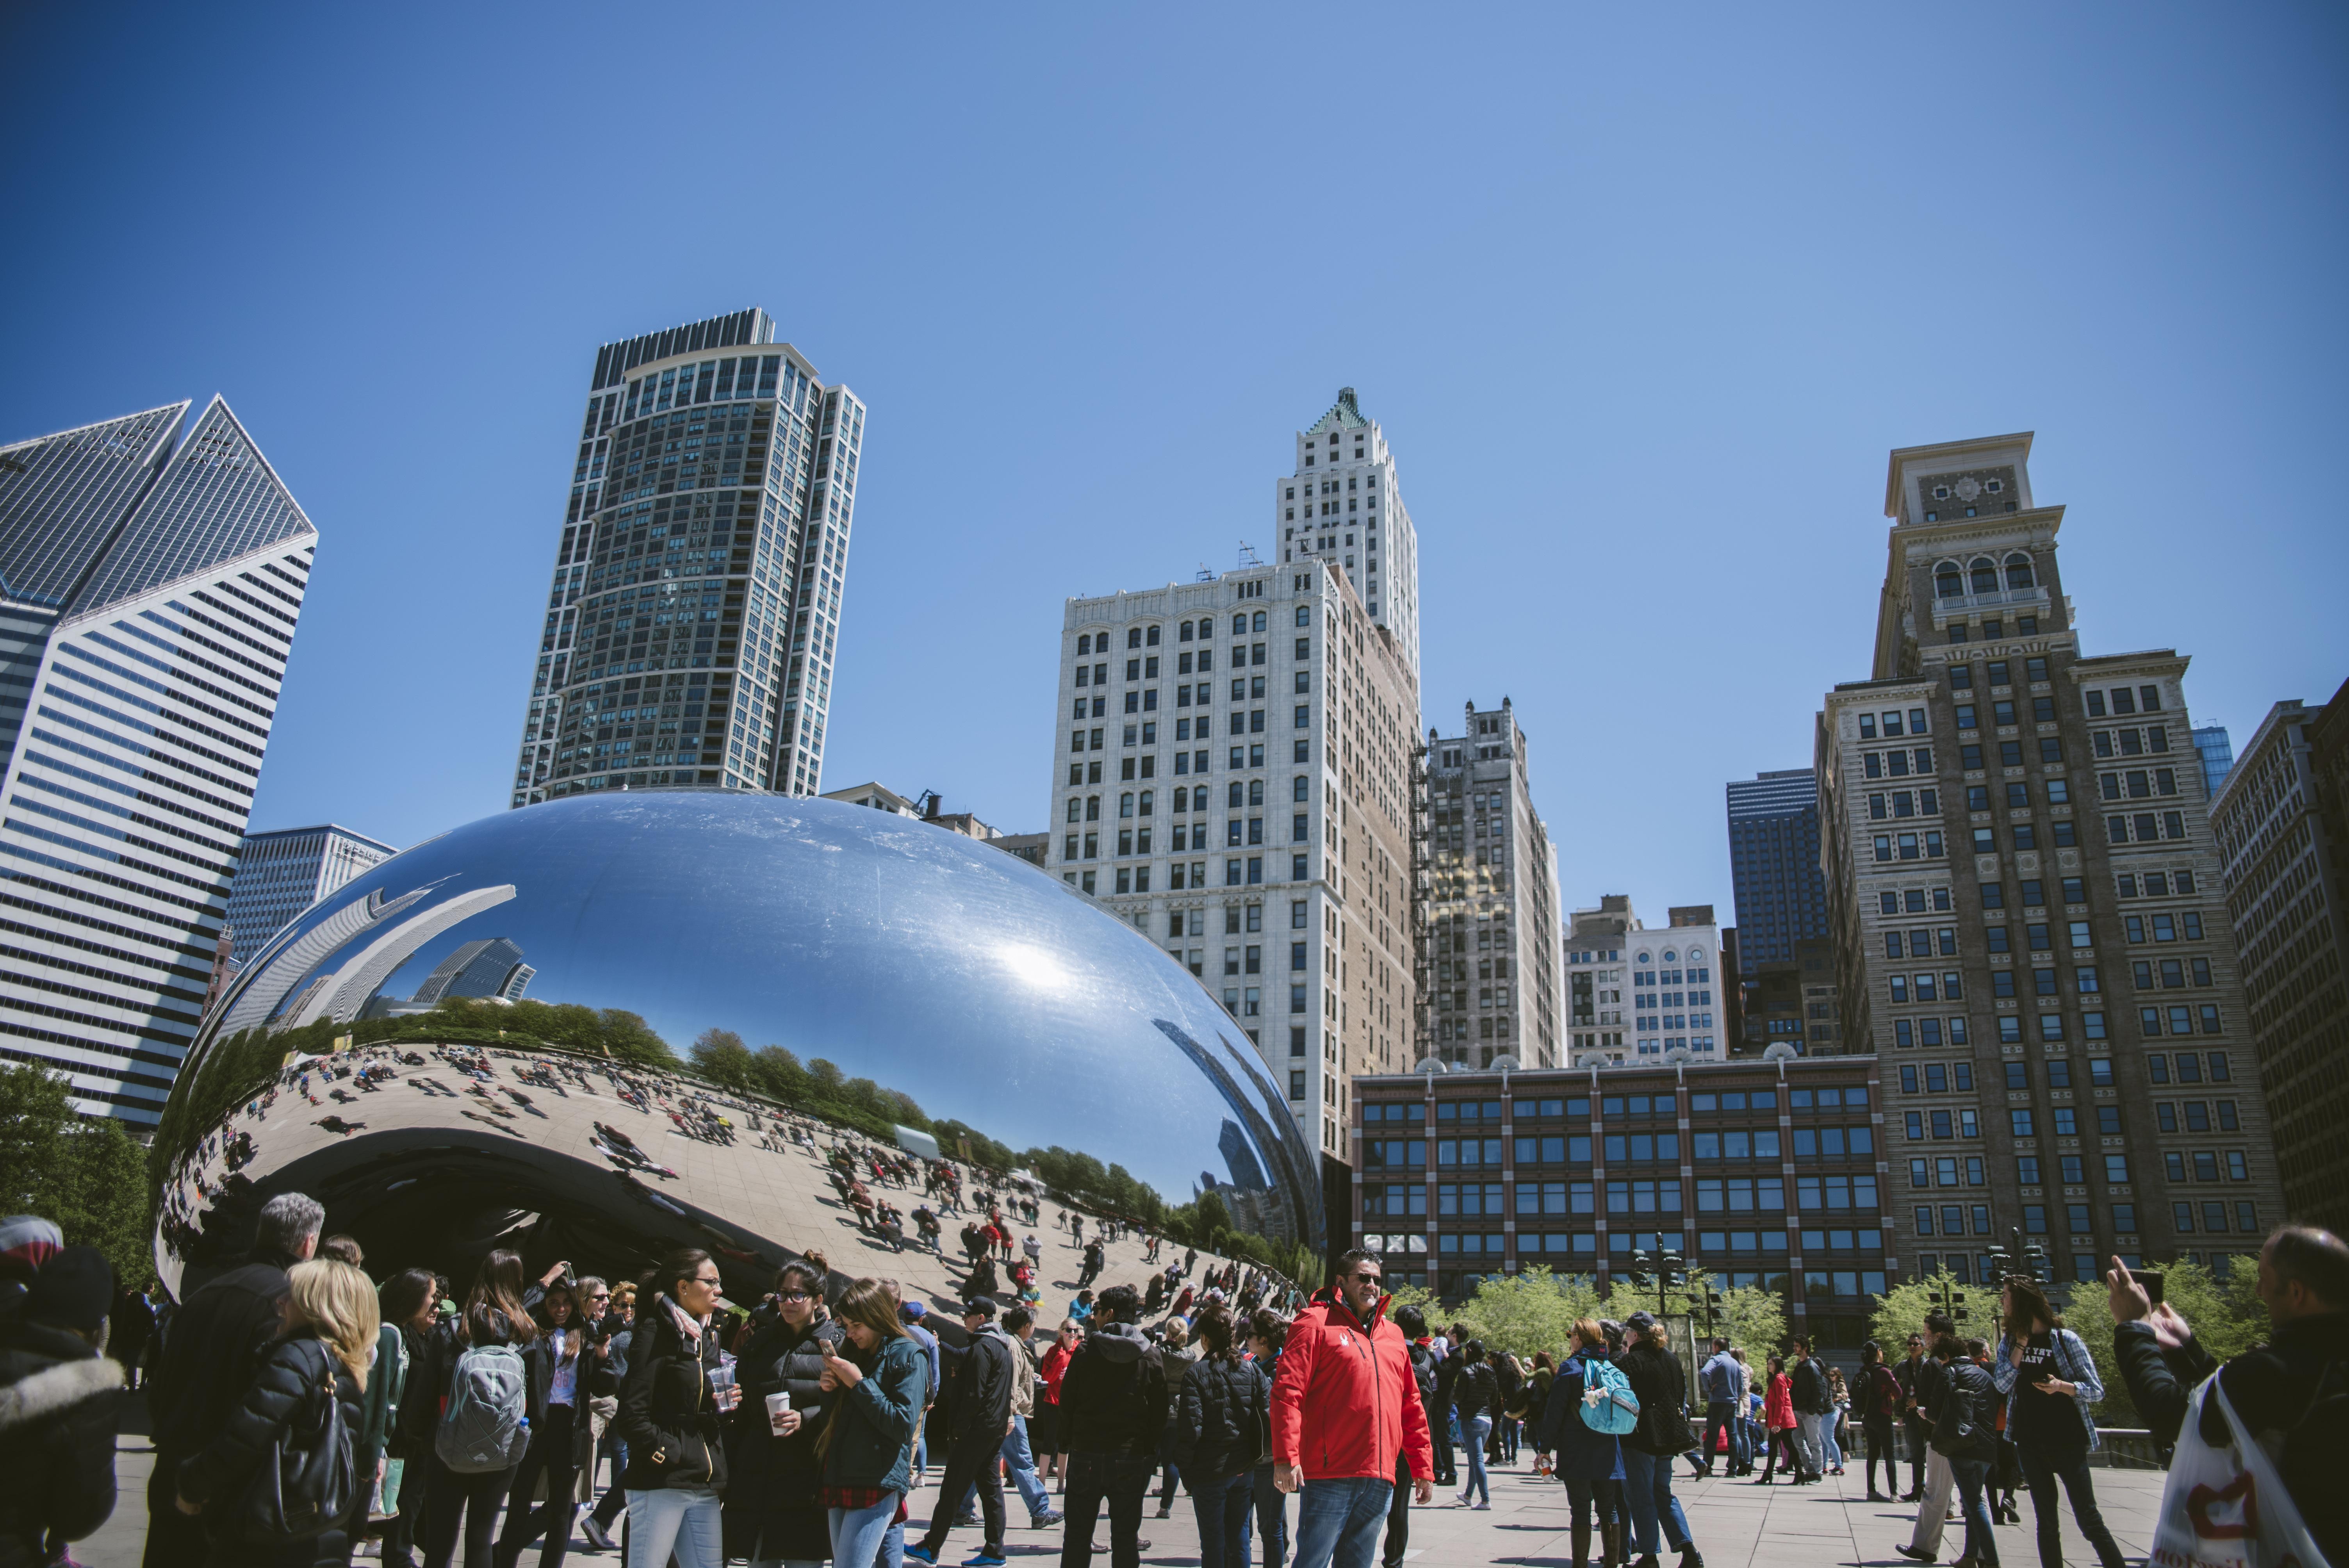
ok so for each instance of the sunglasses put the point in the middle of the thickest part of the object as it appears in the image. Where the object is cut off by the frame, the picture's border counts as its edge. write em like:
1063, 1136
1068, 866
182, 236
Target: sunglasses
793, 1296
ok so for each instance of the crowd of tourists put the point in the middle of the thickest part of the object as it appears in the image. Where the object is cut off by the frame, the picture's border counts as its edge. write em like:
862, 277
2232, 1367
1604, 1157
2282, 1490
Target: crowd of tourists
305, 1413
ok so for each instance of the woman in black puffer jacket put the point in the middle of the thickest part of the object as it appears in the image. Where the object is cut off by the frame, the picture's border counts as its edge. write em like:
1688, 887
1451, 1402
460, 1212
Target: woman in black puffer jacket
331, 1327
1220, 1415
774, 1511
669, 1411
1662, 1436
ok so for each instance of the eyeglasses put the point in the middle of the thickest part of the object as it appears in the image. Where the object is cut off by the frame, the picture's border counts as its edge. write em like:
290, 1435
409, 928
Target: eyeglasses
792, 1295
704, 1279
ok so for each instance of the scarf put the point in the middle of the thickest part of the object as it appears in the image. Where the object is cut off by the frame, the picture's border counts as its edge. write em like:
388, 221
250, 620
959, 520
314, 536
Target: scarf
688, 1326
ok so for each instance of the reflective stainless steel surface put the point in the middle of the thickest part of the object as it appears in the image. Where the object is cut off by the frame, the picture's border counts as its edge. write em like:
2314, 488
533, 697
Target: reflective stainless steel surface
931, 963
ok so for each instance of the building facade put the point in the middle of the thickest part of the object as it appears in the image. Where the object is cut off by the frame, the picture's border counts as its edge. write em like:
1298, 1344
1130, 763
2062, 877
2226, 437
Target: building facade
1233, 777
1596, 979
1633, 992
1489, 982
2218, 754
151, 575
1769, 1174
1792, 1002
2281, 842
1774, 865
279, 875
2026, 898
1337, 505
694, 616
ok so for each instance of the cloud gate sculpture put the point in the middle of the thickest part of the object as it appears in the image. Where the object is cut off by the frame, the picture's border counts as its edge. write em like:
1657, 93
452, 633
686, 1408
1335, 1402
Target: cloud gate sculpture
463, 1047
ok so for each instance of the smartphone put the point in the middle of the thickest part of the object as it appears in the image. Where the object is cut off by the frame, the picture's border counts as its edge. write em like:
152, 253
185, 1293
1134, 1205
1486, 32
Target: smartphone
2152, 1283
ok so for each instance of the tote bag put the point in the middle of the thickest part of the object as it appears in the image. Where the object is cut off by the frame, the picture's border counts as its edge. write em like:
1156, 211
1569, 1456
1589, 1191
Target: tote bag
2227, 1507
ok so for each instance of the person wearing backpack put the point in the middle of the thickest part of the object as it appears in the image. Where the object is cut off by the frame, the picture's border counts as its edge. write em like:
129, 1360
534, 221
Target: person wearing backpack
2051, 1384
564, 1373
1963, 1434
2291, 1393
1813, 1407
669, 1408
1877, 1399
470, 1395
1114, 1401
1222, 1412
1660, 1436
275, 1485
1472, 1393
1583, 1433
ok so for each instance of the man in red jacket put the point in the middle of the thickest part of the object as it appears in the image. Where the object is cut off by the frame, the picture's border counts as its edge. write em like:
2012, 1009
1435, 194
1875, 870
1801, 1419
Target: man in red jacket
1345, 1405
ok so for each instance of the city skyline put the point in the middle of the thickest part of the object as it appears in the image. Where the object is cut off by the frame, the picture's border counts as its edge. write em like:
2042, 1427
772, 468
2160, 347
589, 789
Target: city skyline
1616, 411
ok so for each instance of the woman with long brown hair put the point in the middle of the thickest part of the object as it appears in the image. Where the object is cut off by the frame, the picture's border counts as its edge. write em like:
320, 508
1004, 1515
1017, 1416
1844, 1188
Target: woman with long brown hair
1221, 1409
2049, 1383
867, 1442
493, 1315
670, 1408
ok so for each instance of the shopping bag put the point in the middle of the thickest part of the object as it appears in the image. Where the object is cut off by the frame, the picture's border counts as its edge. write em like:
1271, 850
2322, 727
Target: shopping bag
2227, 1507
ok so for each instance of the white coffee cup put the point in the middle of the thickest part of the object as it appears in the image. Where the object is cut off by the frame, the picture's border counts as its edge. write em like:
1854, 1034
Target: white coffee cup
776, 1405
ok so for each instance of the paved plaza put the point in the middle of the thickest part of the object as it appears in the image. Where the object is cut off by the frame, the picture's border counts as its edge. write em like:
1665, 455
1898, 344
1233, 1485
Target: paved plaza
1737, 1525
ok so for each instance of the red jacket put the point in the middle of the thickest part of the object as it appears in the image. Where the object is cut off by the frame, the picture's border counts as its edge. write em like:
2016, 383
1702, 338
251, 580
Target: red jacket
1344, 1401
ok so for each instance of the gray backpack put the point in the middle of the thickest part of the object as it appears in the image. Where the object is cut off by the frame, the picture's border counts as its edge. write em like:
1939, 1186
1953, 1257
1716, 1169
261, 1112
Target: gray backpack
483, 1428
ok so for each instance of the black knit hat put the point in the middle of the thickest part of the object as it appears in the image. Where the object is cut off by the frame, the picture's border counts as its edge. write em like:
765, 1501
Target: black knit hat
74, 1290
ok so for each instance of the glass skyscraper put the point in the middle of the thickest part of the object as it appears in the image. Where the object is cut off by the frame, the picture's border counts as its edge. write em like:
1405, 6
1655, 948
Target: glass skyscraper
1774, 865
151, 575
280, 874
694, 611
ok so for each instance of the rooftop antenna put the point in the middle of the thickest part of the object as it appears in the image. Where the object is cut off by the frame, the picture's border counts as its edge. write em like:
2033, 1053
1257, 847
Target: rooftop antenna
1205, 575
1247, 554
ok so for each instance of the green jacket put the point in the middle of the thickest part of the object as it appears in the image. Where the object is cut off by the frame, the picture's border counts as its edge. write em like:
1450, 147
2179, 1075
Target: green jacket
872, 1436
386, 1379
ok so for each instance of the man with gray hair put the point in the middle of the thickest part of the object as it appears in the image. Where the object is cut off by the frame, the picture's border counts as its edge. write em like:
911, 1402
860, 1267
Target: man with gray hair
208, 1359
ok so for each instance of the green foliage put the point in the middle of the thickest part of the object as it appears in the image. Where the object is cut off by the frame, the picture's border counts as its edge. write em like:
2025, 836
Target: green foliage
86, 1174
2227, 1316
1901, 1312
1750, 1318
1528, 1311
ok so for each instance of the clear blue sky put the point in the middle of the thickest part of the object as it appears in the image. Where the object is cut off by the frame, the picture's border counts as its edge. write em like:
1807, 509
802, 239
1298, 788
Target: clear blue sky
1641, 299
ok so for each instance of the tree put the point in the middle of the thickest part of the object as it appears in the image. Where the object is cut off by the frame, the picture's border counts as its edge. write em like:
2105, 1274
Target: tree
719, 1055
83, 1174
1528, 1311
2227, 1316
1901, 1312
1750, 1318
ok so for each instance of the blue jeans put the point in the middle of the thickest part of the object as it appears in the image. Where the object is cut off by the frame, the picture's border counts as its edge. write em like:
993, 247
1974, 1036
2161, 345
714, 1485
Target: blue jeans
1981, 1542
1647, 1493
677, 1518
859, 1535
1222, 1507
1828, 1451
1338, 1521
1718, 1414
1271, 1519
1474, 1430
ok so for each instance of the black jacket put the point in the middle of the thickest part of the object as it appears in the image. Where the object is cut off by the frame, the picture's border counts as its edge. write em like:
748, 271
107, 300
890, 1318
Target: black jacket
420, 1402
1113, 1395
666, 1414
59, 1409
595, 1377
1223, 1410
1809, 1381
775, 1496
1966, 1382
210, 1350
1474, 1391
1656, 1381
2271, 1388
219, 1474
982, 1405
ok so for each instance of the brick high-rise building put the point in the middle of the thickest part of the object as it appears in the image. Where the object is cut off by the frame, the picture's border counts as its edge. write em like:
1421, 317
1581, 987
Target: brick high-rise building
2026, 898
2282, 841
1489, 980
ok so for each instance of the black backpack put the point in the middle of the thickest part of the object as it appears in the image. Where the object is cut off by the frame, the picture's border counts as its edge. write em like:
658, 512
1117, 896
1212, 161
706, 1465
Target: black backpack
308, 1480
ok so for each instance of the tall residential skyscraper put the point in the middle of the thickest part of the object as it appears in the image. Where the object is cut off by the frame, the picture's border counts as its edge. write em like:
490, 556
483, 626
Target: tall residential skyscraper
1233, 776
2283, 852
695, 611
280, 873
1489, 980
1774, 866
2026, 904
1330, 509
150, 586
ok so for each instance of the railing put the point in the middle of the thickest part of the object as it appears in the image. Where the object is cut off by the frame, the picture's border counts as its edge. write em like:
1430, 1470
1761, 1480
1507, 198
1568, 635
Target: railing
2120, 1448
1958, 604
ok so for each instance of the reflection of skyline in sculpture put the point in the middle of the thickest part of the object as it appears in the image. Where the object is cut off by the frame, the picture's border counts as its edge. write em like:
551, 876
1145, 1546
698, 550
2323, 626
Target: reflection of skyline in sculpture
491, 967
899, 955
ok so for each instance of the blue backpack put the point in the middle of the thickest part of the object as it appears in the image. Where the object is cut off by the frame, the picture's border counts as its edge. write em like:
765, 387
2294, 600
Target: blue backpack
1616, 1410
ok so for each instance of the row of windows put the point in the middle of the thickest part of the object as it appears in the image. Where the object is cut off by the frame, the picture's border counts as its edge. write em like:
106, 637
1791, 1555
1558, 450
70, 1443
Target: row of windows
1853, 1096
1895, 764
2002, 713
2157, 884
1951, 582
2070, 890
2010, 754
1909, 846
1905, 803
1890, 724
2150, 827
2131, 742
2018, 795
1204, 630
1999, 673
2139, 784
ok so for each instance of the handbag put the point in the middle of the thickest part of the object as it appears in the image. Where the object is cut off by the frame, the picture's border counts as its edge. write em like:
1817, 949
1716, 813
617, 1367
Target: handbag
2227, 1507
308, 1480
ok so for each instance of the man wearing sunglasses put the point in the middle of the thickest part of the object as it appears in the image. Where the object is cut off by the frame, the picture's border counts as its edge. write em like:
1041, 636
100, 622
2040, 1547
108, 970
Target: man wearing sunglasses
1345, 1412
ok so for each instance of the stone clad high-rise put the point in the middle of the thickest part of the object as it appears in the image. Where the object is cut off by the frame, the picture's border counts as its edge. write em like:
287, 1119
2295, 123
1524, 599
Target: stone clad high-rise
1342, 505
694, 615
2025, 895
151, 577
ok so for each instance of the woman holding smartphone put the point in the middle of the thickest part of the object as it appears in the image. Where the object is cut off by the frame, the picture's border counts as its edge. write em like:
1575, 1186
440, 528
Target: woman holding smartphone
2049, 1383
867, 1441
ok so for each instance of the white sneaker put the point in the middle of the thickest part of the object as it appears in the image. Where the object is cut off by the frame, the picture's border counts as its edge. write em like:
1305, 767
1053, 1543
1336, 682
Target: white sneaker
1479, 1507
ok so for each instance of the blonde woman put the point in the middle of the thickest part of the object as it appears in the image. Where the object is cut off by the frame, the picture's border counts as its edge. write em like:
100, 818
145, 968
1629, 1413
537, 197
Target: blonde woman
323, 1351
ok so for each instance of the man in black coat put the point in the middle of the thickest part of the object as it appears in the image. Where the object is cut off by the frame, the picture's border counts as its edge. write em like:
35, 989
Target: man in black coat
2293, 1392
978, 1422
1113, 1400
59, 1402
1813, 1408
1906, 1374
209, 1353
1439, 1419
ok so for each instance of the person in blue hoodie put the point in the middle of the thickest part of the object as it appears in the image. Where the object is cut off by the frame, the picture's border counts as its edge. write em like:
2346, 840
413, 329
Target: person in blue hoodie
1589, 1461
